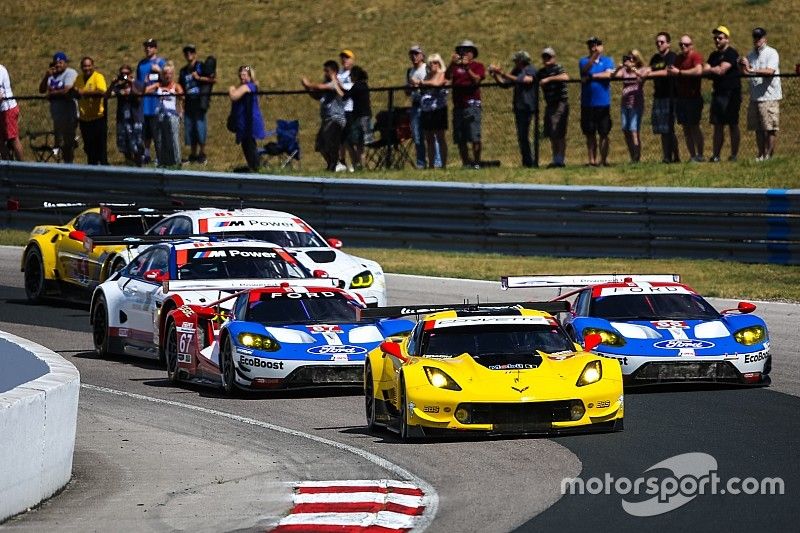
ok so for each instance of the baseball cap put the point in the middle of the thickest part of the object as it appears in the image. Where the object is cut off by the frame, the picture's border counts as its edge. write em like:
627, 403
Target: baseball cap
549, 52
594, 39
150, 42
521, 55
189, 48
723, 30
60, 56
417, 49
347, 53
758, 33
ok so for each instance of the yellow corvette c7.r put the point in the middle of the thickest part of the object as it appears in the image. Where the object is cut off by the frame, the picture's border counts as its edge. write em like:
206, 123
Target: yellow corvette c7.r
491, 368
55, 262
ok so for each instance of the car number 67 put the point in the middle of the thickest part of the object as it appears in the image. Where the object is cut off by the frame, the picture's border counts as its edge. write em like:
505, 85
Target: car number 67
184, 341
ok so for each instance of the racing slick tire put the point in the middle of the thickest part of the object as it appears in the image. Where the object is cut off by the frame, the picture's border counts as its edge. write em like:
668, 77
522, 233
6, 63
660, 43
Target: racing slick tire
34, 275
171, 353
227, 368
369, 398
100, 333
115, 267
407, 432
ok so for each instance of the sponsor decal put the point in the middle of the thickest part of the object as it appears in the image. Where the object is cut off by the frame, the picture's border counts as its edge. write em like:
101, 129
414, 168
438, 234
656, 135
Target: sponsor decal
260, 363
340, 357
669, 324
184, 357
269, 254
244, 351
430, 409
186, 327
523, 389
300, 295
122, 332
330, 349
755, 357
515, 366
622, 360
670, 289
324, 328
186, 310
682, 344
228, 223
602, 404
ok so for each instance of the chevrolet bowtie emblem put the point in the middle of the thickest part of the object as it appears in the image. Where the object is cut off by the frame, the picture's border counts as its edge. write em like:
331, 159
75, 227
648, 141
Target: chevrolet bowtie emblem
523, 389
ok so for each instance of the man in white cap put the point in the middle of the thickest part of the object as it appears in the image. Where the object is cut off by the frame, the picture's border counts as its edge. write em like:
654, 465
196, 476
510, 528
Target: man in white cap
466, 75
763, 112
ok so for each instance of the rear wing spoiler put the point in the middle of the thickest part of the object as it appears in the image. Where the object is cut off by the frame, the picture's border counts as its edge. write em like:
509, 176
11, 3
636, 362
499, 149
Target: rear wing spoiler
239, 285
404, 310
537, 282
136, 240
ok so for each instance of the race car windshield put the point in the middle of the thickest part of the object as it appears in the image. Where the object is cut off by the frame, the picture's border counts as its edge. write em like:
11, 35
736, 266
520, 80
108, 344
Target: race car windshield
238, 263
287, 239
652, 307
302, 308
497, 345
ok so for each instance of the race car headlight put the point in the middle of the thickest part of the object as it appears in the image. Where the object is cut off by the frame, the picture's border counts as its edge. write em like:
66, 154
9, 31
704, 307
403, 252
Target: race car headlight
362, 280
592, 373
751, 335
608, 338
440, 379
259, 342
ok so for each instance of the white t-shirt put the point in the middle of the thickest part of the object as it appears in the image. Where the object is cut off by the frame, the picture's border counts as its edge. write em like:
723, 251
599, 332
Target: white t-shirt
419, 73
765, 89
344, 80
5, 91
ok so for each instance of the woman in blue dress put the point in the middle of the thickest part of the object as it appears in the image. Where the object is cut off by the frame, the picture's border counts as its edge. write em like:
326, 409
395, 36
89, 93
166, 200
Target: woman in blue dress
246, 120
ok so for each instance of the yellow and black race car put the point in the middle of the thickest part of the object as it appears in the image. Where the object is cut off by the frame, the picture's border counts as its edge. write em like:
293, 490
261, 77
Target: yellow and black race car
494, 368
57, 264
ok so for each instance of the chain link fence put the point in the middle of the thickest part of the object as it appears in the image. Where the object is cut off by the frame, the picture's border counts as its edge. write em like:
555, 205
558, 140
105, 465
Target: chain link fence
498, 130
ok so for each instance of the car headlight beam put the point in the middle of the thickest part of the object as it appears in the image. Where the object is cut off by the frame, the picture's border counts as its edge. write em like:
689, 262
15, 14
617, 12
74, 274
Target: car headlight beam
363, 280
439, 379
259, 342
751, 335
608, 337
592, 373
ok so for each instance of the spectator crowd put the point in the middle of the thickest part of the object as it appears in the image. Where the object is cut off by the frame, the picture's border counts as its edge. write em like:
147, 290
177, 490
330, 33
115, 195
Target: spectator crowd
156, 100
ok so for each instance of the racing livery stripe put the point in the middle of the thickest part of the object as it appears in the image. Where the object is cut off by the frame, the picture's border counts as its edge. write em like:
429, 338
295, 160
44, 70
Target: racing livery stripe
354, 506
181, 257
202, 225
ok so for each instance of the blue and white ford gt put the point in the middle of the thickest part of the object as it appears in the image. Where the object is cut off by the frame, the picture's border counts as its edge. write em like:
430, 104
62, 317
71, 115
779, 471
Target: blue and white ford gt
662, 331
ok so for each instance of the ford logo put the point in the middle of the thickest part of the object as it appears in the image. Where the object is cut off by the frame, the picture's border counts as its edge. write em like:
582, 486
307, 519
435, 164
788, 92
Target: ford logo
333, 349
677, 344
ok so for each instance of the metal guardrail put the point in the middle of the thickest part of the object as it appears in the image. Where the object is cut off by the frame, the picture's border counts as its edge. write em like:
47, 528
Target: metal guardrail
748, 225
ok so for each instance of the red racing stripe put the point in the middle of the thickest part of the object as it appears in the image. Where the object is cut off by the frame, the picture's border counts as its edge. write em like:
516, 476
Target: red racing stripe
320, 528
371, 488
356, 507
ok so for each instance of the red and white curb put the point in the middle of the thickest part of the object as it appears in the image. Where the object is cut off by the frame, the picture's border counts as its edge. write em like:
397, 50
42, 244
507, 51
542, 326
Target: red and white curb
354, 506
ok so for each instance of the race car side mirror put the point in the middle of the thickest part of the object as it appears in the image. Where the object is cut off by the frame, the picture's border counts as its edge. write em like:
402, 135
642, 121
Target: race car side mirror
591, 341
393, 349
156, 275
334, 243
77, 235
743, 308
319, 274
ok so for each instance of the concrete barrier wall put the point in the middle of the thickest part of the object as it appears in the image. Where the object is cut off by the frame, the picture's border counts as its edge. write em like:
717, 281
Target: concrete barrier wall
37, 426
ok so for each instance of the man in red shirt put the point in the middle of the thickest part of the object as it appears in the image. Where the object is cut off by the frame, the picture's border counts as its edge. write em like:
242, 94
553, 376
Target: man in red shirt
687, 72
466, 75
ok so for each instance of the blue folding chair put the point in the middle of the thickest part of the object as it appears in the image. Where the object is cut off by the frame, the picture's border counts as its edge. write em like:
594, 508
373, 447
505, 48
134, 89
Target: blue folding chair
286, 144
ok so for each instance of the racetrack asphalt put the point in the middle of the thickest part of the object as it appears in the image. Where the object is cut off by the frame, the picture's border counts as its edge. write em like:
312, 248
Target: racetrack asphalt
495, 485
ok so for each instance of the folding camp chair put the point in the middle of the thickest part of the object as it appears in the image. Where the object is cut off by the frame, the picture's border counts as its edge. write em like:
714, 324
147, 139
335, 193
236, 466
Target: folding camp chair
391, 149
286, 144
43, 146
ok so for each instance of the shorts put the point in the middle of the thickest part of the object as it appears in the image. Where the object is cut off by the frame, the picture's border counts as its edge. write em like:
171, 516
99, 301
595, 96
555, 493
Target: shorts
631, 118
556, 117
688, 111
149, 127
9, 124
329, 136
662, 116
595, 120
725, 108
351, 133
64, 129
361, 130
466, 124
763, 116
435, 120
195, 128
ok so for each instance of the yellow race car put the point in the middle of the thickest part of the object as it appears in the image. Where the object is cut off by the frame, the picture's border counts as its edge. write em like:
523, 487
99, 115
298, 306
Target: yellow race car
494, 368
56, 263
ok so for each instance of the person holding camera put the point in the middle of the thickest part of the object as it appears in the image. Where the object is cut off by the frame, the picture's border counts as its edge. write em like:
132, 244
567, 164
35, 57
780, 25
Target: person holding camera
466, 75
522, 77
129, 120
433, 104
147, 74
596, 70
632, 101
196, 79
58, 84
91, 86
169, 111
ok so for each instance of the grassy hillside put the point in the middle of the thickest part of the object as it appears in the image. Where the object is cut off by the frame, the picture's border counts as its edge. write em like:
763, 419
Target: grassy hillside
285, 40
